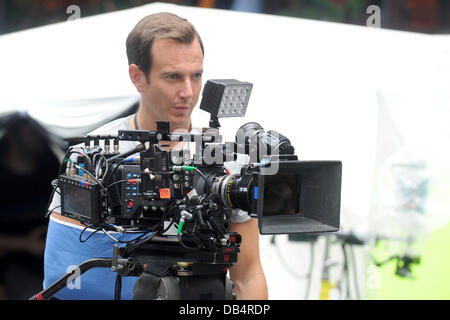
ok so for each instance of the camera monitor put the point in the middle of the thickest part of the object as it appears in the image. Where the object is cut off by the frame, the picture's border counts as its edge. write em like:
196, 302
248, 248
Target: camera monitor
80, 200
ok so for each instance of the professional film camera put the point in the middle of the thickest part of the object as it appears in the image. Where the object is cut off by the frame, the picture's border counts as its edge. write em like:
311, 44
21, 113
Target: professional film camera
179, 202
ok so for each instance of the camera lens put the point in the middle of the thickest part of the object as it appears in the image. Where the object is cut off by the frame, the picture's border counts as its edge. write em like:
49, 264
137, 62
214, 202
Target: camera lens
235, 191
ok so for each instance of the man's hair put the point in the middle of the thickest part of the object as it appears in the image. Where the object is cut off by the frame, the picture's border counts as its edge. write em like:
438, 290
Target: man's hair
162, 25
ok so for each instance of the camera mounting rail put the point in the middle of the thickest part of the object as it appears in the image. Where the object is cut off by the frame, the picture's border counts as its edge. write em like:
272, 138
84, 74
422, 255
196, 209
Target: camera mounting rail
163, 133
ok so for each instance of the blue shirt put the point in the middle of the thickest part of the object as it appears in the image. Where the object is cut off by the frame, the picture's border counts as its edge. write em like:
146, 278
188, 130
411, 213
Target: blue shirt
64, 251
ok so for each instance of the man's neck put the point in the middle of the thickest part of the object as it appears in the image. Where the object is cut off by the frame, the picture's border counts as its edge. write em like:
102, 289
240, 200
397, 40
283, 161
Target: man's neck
144, 121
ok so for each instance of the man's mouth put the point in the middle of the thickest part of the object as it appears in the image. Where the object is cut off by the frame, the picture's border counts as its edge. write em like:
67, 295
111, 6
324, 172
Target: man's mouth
181, 110
181, 107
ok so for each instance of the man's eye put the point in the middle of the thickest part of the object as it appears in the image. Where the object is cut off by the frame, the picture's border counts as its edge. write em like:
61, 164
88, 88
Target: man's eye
197, 75
172, 76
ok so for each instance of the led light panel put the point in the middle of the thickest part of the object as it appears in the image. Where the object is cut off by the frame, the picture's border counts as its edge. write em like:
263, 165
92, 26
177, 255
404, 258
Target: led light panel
226, 98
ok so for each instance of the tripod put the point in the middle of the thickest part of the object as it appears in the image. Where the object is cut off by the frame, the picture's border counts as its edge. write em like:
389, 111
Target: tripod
166, 270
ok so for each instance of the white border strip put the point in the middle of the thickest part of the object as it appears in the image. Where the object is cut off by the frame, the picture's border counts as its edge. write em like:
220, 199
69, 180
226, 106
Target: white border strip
72, 225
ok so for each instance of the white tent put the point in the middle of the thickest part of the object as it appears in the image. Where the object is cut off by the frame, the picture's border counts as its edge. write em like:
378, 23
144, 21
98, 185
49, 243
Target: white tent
338, 92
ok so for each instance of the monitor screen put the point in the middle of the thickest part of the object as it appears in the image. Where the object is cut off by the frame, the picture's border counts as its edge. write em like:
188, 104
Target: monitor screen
77, 200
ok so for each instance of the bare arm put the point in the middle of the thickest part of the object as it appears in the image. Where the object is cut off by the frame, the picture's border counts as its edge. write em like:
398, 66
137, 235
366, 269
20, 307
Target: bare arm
247, 274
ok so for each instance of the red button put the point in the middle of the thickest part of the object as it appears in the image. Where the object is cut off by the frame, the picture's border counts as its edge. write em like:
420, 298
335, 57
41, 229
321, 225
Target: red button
130, 204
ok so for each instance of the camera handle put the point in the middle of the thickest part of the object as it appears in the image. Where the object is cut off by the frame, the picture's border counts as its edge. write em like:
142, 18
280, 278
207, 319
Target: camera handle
121, 266
162, 286
72, 275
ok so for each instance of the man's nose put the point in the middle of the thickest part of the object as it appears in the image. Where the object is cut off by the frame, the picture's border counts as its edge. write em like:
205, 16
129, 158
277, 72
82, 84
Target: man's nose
186, 90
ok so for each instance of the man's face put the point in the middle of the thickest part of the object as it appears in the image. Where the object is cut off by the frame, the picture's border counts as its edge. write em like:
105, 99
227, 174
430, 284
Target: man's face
175, 82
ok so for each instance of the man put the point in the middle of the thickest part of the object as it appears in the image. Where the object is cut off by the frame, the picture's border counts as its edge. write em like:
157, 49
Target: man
165, 55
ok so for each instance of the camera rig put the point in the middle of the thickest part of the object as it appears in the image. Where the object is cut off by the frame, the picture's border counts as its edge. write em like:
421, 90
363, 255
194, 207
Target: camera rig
179, 203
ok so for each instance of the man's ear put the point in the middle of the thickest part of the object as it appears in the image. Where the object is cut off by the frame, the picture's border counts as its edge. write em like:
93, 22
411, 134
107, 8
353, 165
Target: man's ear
137, 77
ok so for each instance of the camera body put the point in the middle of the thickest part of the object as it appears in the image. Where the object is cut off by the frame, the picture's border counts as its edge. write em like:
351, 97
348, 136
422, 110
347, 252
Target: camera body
285, 195
162, 188
180, 203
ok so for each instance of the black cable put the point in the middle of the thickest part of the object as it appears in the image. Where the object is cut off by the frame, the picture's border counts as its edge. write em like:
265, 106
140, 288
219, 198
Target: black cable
118, 288
138, 148
168, 227
116, 182
114, 170
379, 264
201, 173
50, 202
88, 165
171, 221
131, 247
196, 240
50, 211
92, 176
161, 225
127, 241
133, 244
102, 157
89, 236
